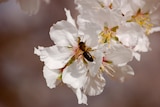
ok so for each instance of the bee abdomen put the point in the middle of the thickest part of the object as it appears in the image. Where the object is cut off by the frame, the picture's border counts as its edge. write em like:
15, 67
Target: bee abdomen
88, 56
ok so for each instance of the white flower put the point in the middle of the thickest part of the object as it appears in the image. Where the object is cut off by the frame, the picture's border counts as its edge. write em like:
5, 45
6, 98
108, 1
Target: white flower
142, 13
74, 57
108, 22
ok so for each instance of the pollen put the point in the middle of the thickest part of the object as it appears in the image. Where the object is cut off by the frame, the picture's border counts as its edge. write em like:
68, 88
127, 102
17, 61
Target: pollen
101, 4
143, 19
110, 6
107, 34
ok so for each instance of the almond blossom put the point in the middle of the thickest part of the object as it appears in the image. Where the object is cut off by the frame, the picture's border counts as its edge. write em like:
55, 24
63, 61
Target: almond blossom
74, 59
143, 13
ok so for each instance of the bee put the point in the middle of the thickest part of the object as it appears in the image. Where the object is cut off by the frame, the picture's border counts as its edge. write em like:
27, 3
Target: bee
86, 54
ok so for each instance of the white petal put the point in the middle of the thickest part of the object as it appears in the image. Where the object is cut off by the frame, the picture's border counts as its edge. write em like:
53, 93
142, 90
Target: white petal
122, 73
75, 75
143, 44
155, 29
29, 6
82, 98
54, 57
137, 56
129, 33
69, 17
64, 33
51, 77
95, 65
94, 85
91, 32
118, 54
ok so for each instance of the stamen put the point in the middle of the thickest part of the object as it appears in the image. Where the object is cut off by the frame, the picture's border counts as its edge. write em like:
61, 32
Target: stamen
108, 34
143, 19
104, 69
110, 6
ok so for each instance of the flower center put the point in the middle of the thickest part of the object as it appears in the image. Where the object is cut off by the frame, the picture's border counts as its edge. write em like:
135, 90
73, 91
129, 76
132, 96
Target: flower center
143, 19
107, 34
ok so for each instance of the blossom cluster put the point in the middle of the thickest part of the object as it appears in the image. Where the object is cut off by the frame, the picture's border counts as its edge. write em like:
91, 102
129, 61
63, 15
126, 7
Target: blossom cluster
106, 35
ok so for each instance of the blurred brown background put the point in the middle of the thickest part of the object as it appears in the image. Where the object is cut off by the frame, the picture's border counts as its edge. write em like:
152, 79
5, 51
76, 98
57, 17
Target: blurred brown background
21, 79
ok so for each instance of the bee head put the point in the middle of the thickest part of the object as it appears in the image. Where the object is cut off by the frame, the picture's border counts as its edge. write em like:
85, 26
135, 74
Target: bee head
82, 46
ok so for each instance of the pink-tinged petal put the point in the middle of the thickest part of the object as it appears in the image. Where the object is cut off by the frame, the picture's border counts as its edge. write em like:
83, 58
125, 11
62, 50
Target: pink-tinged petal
94, 85
74, 75
51, 76
64, 33
54, 57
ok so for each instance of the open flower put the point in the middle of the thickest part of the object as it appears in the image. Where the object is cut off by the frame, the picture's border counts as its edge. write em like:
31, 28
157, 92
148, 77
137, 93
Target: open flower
143, 13
75, 58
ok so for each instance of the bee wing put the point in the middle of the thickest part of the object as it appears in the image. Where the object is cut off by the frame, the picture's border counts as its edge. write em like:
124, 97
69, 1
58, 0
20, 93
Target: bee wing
29, 6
